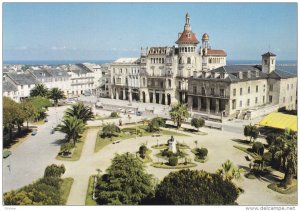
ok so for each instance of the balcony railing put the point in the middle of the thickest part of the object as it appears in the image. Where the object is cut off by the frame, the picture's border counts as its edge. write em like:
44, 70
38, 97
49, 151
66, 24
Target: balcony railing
210, 95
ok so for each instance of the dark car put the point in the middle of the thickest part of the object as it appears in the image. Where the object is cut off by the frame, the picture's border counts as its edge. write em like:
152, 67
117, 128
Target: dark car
34, 133
139, 113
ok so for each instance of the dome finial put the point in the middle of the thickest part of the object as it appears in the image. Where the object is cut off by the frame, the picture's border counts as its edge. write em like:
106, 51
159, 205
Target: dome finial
187, 18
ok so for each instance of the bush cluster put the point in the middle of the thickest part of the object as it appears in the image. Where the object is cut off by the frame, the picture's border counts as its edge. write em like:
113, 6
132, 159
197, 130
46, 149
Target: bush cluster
45, 191
155, 124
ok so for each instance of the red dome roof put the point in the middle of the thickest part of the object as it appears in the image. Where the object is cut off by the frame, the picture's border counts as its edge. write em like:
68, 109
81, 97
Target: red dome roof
187, 37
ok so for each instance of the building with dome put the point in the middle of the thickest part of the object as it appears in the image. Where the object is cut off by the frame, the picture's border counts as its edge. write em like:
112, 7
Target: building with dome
164, 71
198, 76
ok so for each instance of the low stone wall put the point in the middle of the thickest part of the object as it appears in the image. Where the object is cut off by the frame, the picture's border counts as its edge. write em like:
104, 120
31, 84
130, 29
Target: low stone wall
262, 111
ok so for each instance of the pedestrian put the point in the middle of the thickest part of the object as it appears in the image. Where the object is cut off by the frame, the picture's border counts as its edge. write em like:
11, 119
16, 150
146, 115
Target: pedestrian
120, 122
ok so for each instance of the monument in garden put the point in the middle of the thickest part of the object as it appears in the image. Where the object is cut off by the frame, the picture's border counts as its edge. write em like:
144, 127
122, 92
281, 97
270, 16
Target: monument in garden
172, 145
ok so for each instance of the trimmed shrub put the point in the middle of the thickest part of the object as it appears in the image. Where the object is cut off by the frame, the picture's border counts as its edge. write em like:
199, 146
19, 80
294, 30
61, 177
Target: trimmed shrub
173, 161
114, 114
202, 153
258, 148
197, 123
142, 151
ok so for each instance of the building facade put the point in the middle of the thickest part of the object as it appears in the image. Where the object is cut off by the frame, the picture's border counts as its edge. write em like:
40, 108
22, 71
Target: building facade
240, 91
164, 72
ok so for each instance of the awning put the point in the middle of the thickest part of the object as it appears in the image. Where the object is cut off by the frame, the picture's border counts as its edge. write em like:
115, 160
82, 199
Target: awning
280, 121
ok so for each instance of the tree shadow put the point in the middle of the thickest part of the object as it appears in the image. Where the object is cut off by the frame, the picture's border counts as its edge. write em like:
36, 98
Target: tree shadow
241, 141
7, 143
270, 178
59, 142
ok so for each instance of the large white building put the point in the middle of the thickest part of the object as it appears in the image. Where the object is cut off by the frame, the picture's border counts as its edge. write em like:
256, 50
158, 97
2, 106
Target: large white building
201, 78
164, 72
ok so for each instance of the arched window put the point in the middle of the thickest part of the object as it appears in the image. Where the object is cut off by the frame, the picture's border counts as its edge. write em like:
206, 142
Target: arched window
180, 60
189, 60
185, 49
169, 83
189, 49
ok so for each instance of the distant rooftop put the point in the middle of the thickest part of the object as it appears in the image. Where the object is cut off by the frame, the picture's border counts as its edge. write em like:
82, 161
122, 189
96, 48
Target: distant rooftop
126, 60
22, 79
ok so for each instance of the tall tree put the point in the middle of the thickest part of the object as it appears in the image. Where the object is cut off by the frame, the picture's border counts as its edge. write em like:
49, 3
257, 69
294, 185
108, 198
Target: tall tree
288, 156
56, 94
251, 131
125, 182
179, 113
39, 90
30, 111
40, 104
80, 111
193, 187
72, 127
13, 115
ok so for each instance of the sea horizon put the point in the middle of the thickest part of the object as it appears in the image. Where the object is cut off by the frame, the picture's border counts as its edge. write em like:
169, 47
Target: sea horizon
292, 69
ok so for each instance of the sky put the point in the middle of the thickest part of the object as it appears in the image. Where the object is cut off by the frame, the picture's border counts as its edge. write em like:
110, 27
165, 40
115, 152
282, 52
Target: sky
107, 31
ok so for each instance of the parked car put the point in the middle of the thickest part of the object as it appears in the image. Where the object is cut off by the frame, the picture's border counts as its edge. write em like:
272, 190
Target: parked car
130, 111
121, 110
139, 113
34, 132
99, 105
45, 120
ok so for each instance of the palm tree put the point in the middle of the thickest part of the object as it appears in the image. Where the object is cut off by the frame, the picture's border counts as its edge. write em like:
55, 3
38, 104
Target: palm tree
72, 127
39, 90
81, 112
110, 130
179, 113
288, 155
56, 94
229, 171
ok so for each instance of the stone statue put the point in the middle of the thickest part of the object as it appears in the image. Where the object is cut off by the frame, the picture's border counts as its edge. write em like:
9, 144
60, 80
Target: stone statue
172, 145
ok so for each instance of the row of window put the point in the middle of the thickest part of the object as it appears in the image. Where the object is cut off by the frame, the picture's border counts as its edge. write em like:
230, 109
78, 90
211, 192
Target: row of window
249, 90
157, 60
125, 70
248, 102
212, 91
188, 60
216, 60
187, 49
256, 101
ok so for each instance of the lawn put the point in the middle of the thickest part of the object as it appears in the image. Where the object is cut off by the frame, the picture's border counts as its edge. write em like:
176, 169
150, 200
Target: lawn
78, 149
102, 142
179, 165
65, 189
246, 150
89, 195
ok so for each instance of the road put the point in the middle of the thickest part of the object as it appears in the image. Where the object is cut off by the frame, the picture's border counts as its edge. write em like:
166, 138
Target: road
29, 159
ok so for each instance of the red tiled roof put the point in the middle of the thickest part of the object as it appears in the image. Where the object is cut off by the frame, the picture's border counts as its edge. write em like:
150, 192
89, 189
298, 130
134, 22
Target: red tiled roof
184, 38
216, 52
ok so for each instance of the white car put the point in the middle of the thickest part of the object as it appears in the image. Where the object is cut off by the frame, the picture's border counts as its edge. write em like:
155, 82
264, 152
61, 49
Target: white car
121, 110
130, 111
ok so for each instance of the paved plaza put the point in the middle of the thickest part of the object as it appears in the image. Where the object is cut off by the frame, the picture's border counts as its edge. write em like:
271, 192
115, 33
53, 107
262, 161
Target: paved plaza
29, 159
